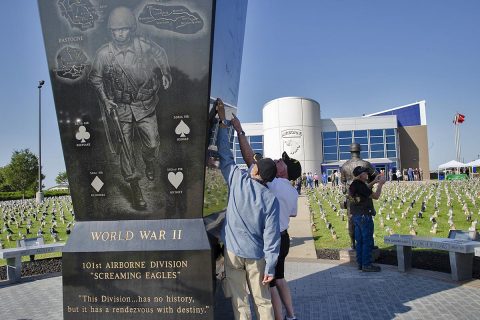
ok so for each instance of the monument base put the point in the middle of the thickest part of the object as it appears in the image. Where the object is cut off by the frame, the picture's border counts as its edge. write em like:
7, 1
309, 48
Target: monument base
39, 197
350, 255
138, 270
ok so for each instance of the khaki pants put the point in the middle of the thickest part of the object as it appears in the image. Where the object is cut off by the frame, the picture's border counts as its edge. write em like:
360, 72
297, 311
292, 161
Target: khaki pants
240, 273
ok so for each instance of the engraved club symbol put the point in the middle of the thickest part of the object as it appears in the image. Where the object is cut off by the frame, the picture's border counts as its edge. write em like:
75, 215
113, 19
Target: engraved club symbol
175, 178
182, 129
82, 134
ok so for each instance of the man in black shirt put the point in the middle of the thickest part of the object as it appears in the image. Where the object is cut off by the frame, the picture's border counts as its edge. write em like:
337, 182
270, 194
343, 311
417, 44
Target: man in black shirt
361, 207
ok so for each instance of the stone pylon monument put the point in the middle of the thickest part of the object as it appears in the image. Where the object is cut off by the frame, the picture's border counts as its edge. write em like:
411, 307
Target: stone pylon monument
132, 82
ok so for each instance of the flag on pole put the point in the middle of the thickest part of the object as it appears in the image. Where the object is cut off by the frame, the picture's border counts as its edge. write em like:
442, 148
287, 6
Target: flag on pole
459, 118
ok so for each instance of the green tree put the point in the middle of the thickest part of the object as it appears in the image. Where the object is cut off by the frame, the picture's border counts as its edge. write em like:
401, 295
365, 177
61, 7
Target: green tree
22, 172
4, 186
62, 178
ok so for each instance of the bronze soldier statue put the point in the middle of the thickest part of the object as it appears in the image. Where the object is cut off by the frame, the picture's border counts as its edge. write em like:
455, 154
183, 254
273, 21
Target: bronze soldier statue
127, 75
346, 177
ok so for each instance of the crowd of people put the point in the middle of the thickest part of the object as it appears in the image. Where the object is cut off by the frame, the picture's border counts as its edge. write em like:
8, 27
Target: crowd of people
309, 180
410, 174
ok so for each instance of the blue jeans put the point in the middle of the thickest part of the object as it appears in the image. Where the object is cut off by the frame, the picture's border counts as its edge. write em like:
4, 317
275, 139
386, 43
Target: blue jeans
364, 238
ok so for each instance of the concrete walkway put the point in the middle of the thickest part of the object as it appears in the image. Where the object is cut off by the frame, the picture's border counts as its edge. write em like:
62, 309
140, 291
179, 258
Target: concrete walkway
300, 231
320, 289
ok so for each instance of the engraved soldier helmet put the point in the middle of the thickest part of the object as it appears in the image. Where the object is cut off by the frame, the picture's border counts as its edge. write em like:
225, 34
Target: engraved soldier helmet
122, 17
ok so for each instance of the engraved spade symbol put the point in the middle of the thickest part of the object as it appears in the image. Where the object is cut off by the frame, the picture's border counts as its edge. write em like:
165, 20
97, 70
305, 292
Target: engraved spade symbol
82, 134
182, 129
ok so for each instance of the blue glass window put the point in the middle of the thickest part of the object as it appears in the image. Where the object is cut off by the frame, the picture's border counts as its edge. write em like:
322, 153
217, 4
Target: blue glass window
345, 142
392, 154
239, 161
330, 149
236, 139
345, 134
377, 154
330, 142
364, 154
390, 139
345, 156
256, 139
376, 133
389, 132
256, 145
364, 147
360, 133
391, 147
344, 148
330, 157
238, 153
376, 139
361, 140
330, 135
376, 147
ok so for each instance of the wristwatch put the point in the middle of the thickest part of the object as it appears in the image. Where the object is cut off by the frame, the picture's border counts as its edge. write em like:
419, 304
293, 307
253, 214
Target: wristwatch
241, 133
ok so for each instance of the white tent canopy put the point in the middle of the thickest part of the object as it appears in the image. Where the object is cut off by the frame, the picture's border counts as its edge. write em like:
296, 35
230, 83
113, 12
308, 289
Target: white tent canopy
452, 164
475, 163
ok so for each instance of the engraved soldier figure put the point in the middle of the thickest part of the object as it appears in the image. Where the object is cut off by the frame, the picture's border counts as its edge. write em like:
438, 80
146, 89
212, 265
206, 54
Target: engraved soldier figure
346, 177
127, 74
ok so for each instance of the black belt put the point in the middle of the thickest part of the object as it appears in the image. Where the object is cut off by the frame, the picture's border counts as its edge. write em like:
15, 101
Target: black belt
284, 232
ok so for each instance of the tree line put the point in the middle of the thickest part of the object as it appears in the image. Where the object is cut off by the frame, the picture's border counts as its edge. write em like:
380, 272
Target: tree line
21, 174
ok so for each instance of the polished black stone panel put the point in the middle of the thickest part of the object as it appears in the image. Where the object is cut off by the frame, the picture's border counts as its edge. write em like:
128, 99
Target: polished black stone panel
137, 285
229, 32
138, 269
131, 109
132, 83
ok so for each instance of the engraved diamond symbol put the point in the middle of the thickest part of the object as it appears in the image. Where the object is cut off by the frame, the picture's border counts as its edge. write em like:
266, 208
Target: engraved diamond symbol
97, 184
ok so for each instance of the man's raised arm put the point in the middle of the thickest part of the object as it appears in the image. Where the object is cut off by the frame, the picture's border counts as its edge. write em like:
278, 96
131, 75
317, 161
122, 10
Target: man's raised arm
245, 148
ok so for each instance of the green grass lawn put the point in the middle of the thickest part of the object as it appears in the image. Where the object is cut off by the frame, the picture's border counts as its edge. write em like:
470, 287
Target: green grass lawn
17, 215
393, 216
215, 195
462, 197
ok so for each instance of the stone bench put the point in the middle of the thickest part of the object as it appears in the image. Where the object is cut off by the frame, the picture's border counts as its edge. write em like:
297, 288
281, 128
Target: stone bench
461, 252
26, 247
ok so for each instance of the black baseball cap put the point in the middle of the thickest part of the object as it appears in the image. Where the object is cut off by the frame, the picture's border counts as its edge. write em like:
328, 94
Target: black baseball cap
294, 167
359, 170
267, 169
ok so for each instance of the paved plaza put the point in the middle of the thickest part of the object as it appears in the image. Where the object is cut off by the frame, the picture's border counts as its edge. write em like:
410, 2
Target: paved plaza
321, 289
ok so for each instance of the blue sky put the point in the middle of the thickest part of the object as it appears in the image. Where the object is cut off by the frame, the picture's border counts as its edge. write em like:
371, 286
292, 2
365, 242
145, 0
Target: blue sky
353, 57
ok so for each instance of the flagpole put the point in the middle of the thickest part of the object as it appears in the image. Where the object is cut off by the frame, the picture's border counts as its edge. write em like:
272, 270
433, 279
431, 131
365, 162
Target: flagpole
459, 146
456, 135
456, 141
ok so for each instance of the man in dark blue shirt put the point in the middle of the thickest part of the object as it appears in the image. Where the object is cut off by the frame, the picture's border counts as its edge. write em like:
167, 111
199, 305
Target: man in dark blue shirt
361, 207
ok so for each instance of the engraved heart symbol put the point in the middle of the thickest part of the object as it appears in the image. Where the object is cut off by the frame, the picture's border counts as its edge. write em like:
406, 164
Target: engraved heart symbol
175, 178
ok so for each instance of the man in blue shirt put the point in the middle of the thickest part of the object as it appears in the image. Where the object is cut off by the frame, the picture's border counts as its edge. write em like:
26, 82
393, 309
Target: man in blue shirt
251, 233
288, 170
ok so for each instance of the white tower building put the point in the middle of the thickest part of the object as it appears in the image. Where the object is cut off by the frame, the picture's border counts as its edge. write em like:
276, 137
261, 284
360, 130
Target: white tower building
292, 124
